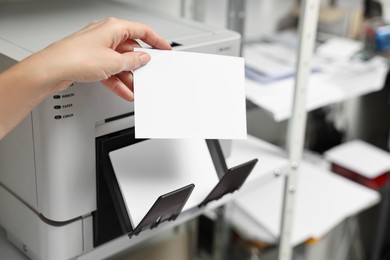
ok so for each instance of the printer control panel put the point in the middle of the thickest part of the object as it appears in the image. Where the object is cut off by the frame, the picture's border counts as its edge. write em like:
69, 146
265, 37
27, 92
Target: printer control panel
63, 104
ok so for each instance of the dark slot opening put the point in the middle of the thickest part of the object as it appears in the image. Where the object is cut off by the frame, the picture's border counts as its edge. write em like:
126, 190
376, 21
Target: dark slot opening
110, 220
175, 44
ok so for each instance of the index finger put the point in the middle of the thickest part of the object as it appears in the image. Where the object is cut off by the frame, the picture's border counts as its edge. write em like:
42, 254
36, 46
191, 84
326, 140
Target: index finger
135, 30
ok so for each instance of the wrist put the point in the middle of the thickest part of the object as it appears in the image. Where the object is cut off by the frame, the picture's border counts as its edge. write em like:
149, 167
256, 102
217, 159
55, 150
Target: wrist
49, 72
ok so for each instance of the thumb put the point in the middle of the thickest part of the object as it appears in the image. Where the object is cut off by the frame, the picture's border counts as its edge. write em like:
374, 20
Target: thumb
134, 60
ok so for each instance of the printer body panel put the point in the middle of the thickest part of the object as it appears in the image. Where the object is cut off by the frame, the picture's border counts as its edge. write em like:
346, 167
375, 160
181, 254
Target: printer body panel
221, 42
53, 20
65, 148
36, 238
17, 162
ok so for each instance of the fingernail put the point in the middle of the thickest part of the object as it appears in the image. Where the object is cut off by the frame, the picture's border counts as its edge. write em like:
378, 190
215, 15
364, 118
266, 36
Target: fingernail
144, 58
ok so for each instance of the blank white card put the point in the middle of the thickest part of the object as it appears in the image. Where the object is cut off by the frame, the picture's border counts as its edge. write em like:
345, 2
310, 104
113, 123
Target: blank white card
190, 95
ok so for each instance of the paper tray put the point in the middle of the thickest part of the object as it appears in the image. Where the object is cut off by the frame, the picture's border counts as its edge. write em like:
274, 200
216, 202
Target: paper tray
168, 206
144, 170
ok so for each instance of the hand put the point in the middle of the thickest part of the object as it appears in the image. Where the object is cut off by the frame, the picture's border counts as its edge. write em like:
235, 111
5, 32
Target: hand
102, 51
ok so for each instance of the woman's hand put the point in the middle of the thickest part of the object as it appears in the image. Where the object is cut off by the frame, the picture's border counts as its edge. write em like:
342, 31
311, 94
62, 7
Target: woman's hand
102, 51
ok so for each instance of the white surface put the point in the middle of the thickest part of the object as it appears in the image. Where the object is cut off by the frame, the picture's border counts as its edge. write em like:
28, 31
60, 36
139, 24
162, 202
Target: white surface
190, 95
360, 157
323, 200
152, 168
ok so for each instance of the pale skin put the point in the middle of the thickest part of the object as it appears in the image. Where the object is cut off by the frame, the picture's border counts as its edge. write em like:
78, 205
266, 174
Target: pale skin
102, 51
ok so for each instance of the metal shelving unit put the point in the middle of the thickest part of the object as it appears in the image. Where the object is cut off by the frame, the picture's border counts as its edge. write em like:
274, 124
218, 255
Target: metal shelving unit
296, 128
308, 21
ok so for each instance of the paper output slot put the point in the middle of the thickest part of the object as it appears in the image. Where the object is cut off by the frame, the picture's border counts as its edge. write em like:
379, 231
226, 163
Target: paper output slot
148, 169
111, 218
175, 44
180, 173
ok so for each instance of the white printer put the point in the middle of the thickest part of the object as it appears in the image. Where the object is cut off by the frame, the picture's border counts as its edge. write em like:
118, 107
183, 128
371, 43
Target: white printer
48, 164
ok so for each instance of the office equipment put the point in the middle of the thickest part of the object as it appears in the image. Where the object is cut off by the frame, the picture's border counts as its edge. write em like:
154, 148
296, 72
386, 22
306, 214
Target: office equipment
212, 104
49, 187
